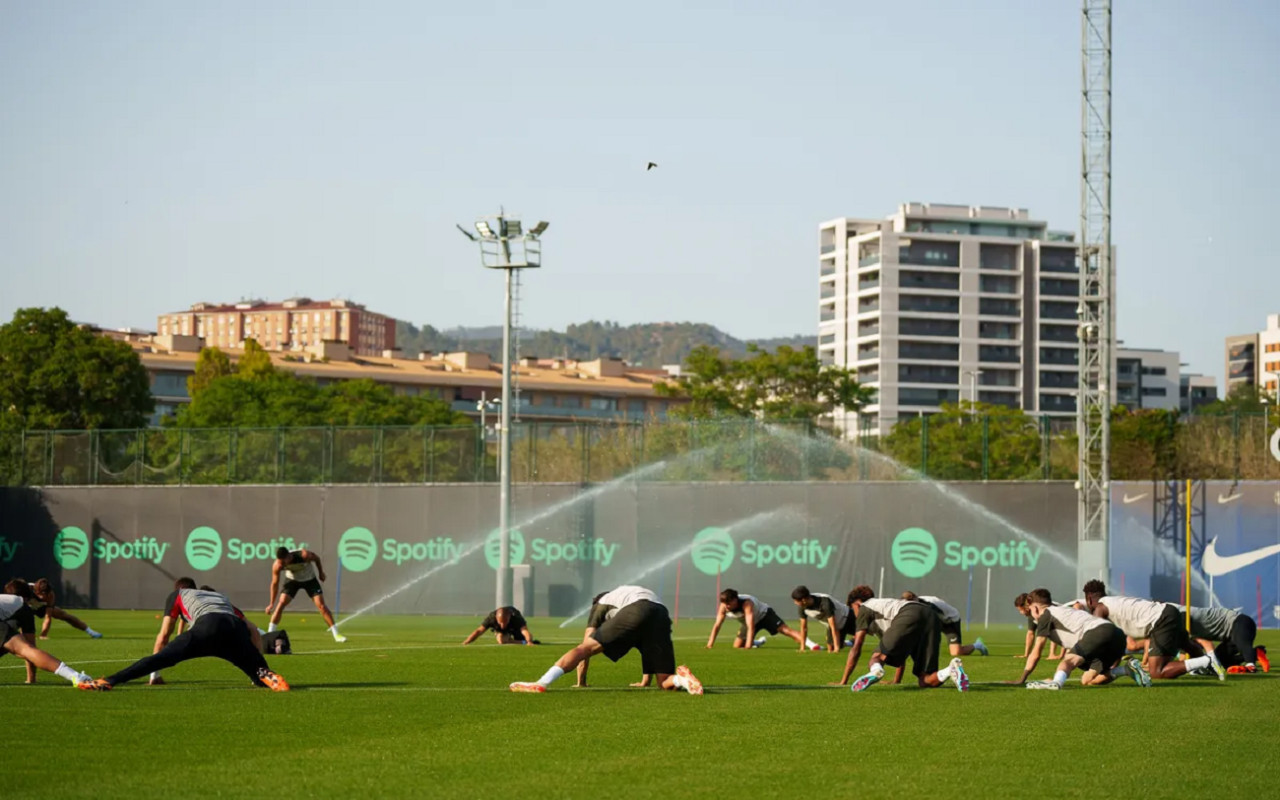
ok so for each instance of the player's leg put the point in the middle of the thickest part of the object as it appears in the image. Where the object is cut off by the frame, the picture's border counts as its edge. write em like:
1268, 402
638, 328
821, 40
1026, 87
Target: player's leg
283, 600
1242, 635
316, 593
658, 653
33, 655
195, 643
73, 621
235, 644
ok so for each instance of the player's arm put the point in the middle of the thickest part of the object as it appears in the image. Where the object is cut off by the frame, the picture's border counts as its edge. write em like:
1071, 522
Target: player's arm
804, 631
476, 634
1101, 610
897, 675
582, 665
837, 638
643, 683
749, 616
528, 637
47, 622
166, 630
715, 627
855, 652
30, 638
314, 558
1026, 643
1033, 658
275, 585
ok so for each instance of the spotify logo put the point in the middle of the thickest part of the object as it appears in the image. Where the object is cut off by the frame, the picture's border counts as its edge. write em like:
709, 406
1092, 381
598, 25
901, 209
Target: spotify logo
914, 552
204, 549
712, 551
357, 549
70, 547
493, 548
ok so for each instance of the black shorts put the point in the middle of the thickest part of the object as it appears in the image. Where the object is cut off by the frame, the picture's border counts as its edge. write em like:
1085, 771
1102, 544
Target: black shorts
769, 623
1169, 635
1101, 647
951, 630
312, 588
645, 626
8, 630
912, 634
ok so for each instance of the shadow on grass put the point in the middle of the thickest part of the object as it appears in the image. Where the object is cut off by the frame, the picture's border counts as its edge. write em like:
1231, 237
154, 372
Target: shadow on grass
350, 685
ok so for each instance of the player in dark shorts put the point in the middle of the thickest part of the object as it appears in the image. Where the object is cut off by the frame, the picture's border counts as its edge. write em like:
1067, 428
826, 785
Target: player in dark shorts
1161, 623
508, 626
629, 617
215, 629
907, 629
18, 634
1230, 635
1092, 643
825, 609
949, 624
303, 571
1020, 603
45, 605
753, 616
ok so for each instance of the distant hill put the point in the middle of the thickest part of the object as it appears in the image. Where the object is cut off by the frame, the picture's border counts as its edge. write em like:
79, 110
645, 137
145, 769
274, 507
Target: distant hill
645, 345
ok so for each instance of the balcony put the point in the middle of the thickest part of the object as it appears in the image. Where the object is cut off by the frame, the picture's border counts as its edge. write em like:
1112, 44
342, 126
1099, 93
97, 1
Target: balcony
928, 351
828, 268
908, 326
826, 248
1059, 288
1006, 399
915, 373
869, 260
1051, 310
998, 284
1058, 259
1061, 356
869, 305
1058, 333
999, 354
909, 396
930, 254
998, 256
868, 328
871, 281
994, 307
929, 304
997, 330
928, 280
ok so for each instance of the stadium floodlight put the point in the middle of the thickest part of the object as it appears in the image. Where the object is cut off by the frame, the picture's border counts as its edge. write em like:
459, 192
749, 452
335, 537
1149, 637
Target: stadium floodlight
467, 233
511, 228
484, 230
537, 230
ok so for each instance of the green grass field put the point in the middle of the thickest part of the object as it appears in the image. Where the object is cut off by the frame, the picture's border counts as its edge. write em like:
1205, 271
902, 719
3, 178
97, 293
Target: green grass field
401, 710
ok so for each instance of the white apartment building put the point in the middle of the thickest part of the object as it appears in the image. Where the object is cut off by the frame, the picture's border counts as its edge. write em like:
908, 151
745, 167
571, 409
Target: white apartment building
938, 303
1148, 379
1196, 390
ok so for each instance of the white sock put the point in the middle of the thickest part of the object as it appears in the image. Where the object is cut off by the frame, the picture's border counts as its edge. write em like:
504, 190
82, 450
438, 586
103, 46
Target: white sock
679, 682
944, 674
1060, 678
67, 673
91, 631
1197, 663
271, 627
154, 675
877, 669
334, 630
551, 676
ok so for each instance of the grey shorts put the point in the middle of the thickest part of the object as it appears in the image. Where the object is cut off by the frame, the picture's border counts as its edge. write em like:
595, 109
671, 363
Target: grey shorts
644, 626
912, 634
768, 623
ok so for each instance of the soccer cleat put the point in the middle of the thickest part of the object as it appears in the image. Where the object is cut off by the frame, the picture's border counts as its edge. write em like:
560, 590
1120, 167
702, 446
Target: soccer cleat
339, 638
1260, 653
1050, 685
959, 675
1242, 669
274, 682
1136, 672
980, 646
1217, 666
760, 641
535, 688
99, 685
866, 681
692, 684
95, 635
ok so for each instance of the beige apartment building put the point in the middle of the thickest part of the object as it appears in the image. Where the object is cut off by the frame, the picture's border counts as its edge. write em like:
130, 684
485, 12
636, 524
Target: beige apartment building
289, 326
1253, 359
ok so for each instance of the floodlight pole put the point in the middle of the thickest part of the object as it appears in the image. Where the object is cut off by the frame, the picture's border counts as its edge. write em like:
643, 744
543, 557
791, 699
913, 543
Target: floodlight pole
504, 583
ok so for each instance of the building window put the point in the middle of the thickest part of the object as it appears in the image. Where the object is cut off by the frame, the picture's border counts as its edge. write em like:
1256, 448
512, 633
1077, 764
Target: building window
918, 373
998, 256
908, 326
927, 397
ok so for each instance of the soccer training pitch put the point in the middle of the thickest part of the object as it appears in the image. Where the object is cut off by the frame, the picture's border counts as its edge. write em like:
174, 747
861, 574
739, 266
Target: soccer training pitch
401, 710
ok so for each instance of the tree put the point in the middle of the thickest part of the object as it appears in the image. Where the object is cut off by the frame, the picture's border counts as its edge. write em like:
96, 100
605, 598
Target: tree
970, 441
785, 384
55, 374
255, 364
211, 363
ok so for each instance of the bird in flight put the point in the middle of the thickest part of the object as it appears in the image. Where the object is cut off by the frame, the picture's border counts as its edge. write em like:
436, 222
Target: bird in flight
651, 166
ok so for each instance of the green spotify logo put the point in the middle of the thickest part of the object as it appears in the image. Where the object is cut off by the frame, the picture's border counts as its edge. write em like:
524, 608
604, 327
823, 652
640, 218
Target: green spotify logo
493, 547
712, 551
914, 552
204, 549
70, 547
357, 549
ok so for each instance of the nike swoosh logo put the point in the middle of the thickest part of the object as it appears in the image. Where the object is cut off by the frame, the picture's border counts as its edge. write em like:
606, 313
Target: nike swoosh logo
1223, 499
1127, 499
1216, 565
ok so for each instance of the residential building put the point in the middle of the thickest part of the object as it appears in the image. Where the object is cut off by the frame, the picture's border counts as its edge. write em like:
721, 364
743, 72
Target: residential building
1195, 391
938, 303
551, 390
1148, 379
291, 325
1253, 359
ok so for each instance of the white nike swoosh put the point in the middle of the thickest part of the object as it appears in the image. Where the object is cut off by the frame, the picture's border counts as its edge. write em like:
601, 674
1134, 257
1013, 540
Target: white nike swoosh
1216, 565
1127, 499
1223, 499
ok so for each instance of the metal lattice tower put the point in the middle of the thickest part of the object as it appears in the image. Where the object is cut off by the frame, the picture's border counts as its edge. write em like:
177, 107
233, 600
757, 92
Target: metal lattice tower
1097, 284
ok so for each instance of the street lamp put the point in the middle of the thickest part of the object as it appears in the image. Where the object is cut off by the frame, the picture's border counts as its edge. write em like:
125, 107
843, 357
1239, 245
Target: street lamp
973, 374
506, 246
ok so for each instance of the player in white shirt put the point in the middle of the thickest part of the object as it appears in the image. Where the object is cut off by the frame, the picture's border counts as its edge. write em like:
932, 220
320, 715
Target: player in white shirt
18, 635
303, 571
753, 615
1093, 643
906, 629
949, 620
825, 609
627, 617
1161, 623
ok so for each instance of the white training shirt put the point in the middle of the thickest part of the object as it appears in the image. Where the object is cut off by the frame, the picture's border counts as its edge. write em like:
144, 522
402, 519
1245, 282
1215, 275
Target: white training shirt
624, 596
1133, 615
884, 610
948, 611
10, 604
1069, 624
762, 608
836, 610
300, 573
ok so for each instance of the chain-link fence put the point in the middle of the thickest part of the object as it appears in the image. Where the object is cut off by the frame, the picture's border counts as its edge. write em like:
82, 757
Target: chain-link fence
939, 447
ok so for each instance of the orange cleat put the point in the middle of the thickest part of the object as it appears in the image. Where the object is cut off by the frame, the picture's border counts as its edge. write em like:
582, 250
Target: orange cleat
535, 688
1263, 662
99, 685
694, 686
1241, 669
274, 682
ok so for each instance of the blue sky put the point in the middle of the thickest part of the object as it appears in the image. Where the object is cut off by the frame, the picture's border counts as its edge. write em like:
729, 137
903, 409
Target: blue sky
155, 154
